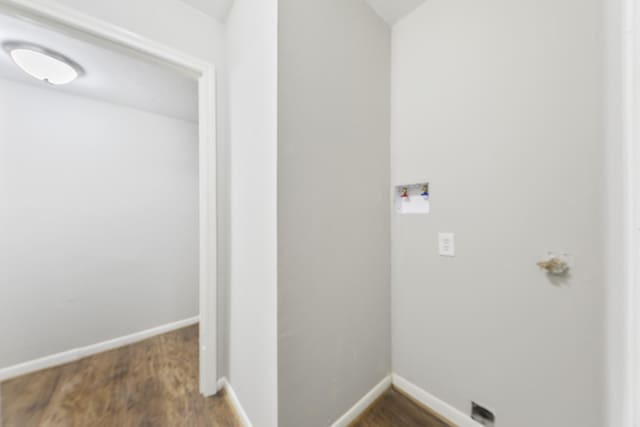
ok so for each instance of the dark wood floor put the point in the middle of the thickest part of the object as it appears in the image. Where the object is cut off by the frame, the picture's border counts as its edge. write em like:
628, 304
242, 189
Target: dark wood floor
393, 409
151, 383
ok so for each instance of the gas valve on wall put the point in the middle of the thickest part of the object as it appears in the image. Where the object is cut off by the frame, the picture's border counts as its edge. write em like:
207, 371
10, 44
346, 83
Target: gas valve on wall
556, 264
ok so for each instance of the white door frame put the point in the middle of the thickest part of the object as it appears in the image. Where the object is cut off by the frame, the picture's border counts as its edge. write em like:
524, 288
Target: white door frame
63, 16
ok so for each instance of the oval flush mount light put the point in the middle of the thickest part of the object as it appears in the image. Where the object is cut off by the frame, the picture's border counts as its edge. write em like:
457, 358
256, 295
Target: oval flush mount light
43, 64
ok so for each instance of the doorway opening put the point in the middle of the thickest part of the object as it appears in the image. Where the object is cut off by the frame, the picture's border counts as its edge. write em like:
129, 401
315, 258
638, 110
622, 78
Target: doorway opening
148, 72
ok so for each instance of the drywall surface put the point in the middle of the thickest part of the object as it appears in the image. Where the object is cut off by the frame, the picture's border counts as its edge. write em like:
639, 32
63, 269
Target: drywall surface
394, 10
217, 9
619, 224
99, 225
175, 24
170, 22
498, 104
333, 208
252, 61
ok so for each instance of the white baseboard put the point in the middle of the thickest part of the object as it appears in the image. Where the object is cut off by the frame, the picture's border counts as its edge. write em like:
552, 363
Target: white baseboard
82, 352
223, 383
363, 403
438, 406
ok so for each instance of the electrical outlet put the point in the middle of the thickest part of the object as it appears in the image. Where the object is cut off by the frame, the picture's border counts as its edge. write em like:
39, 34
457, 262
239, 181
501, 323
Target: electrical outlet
447, 244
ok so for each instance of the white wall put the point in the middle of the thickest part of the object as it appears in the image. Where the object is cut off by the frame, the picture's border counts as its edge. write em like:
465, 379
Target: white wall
499, 105
100, 224
252, 70
333, 216
170, 22
618, 229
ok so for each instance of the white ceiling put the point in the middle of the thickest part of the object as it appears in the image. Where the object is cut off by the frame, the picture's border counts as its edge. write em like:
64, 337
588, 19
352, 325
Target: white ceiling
217, 9
390, 10
112, 74
394, 10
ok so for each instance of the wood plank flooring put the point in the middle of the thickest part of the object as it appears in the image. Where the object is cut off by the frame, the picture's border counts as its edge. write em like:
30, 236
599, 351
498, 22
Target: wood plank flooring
393, 409
151, 383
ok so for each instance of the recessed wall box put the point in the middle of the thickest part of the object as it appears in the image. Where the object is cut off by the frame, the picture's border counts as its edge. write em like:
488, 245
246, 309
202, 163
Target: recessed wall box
412, 198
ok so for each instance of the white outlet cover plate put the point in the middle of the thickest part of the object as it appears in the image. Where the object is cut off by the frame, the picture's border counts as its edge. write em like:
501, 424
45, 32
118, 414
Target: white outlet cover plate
447, 244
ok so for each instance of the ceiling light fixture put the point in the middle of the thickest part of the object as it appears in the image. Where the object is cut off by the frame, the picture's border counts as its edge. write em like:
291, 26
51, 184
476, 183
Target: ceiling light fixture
43, 64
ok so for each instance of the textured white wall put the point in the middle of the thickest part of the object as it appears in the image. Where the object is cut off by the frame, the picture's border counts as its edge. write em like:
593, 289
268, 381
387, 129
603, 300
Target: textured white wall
252, 61
99, 225
499, 105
